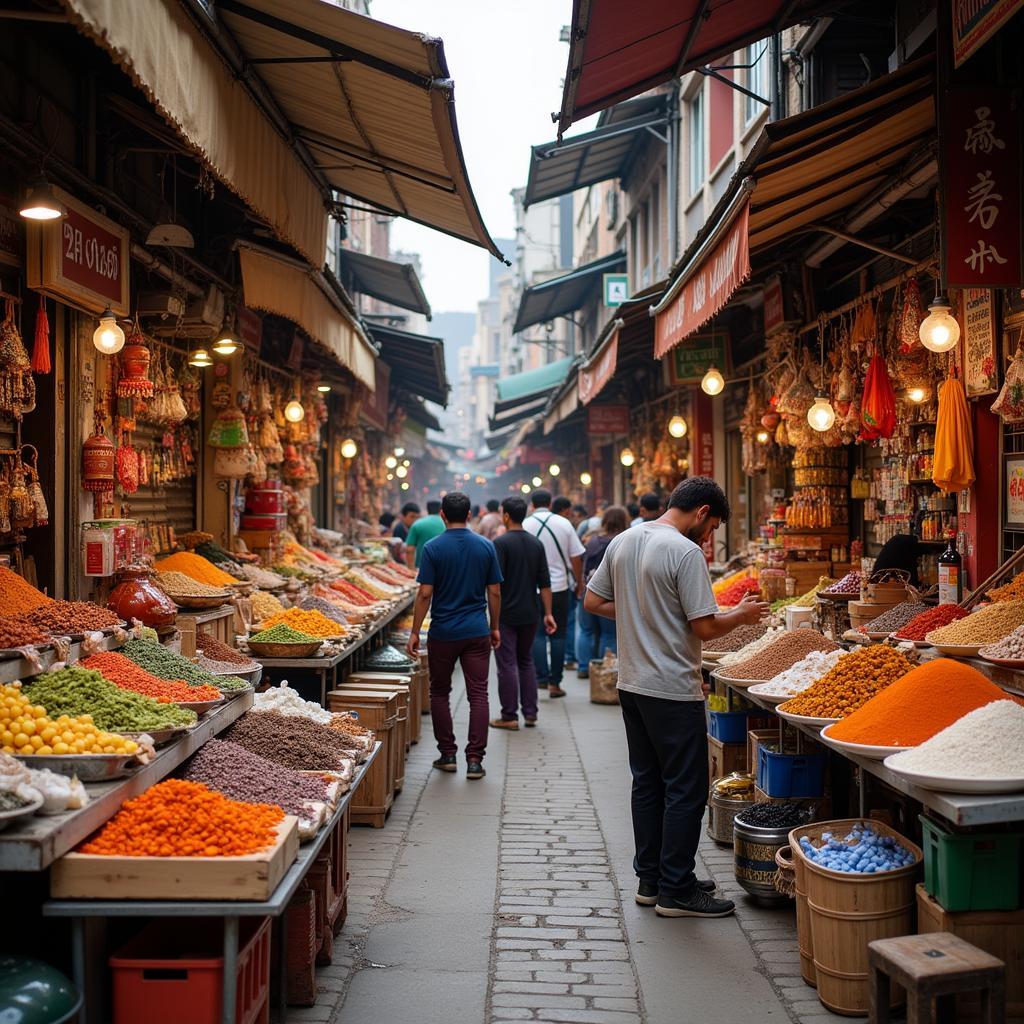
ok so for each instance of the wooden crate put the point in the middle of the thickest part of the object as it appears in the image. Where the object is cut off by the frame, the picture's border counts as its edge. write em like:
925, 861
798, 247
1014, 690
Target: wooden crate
337, 908
406, 681
218, 623
252, 877
755, 737
378, 711
999, 932
385, 683
725, 758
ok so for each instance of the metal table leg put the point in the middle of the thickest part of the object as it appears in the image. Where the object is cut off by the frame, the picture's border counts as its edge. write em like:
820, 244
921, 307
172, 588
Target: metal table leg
279, 949
78, 971
230, 981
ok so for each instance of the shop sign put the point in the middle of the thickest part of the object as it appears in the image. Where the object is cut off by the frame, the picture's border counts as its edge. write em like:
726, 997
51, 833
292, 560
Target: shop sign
593, 378
615, 289
976, 21
708, 289
374, 408
980, 372
12, 235
687, 363
250, 328
607, 419
1013, 481
294, 360
82, 260
703, 455
982, 190
774, 307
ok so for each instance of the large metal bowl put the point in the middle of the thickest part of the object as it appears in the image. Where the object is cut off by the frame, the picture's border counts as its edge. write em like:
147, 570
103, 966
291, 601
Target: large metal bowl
88, 767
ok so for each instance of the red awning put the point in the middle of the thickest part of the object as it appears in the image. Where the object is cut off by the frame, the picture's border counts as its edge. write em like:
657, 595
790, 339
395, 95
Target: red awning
620, 50
599, 370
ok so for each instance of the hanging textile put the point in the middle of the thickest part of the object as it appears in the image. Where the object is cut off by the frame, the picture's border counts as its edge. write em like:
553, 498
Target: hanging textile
954, 439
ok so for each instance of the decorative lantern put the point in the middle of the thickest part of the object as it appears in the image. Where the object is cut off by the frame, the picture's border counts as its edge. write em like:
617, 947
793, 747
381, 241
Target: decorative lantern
135, 382
98, 463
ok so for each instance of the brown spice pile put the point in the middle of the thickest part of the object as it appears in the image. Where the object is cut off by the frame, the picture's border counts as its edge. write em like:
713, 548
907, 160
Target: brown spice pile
16, 633
782, 653
988, 625
737, 638
290, 741
216, 651
62, 617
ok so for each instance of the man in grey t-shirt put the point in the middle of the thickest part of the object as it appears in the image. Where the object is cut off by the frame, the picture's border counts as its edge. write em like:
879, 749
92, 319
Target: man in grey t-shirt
654, 582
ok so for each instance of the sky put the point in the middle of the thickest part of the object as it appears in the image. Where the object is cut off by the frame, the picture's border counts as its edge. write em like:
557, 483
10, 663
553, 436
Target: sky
507, 64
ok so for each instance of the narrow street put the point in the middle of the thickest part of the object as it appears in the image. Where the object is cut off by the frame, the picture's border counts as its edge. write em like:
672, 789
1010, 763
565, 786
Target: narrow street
512, 899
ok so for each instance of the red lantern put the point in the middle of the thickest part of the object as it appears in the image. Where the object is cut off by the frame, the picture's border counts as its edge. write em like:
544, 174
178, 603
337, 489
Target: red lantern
98, 463
135, 382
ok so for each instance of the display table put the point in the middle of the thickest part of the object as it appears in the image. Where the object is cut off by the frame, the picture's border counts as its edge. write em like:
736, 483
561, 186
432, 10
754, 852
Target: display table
216, 622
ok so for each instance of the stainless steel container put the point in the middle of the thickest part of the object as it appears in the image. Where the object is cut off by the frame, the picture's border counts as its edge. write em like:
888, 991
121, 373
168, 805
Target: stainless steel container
720, 817
754, 859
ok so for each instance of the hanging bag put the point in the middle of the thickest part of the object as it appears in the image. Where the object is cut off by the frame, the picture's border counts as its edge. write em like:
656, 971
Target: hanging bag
953, 469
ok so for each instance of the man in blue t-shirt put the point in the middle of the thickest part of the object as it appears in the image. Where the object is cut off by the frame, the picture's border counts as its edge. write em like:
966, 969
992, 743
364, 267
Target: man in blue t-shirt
460, 583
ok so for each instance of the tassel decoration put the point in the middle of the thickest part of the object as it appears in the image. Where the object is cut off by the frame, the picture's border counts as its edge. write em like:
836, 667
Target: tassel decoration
41, 349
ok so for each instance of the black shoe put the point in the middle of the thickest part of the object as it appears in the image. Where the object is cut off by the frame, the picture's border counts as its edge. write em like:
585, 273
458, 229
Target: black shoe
531, 723
447, 763
475, 770
698, 904
647, 892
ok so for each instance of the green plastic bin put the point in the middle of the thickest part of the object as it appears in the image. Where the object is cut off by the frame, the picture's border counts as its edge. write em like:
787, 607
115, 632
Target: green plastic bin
971, 870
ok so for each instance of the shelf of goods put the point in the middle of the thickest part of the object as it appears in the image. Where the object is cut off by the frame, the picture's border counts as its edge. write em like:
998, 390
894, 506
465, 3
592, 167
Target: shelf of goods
20, 668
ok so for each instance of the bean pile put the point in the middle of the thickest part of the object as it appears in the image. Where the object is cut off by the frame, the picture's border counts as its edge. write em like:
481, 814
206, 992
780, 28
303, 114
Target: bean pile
894, 618
294, 742
768, 815
752, 648
334, 613
853, 681
17, 595
986, 626
312, 623
81, 691
282, 634
242, 775
124, 673
178, 583
1011, 647
849, 584
14, 632
64, 617
165, 664
785, 651
216, 651
733, 640
265, 605
921, 625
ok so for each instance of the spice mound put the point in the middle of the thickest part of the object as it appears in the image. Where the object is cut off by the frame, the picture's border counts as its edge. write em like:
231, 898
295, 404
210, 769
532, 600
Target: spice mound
738, 637
921, 625
282, 634
331, 611
913, 709
894, 618
123, 672
762, 642
735, 592
14, 632
262, 577
782, 815
803, 674
1010, 648
265, 605
853, 681
312, 623
176, 818
17, 595
987, 743
165, 664
197, 567
784, 652
863, 851
1012, 591
64, 617
294, 742
986, 626
849, 584
287, 701
185, 586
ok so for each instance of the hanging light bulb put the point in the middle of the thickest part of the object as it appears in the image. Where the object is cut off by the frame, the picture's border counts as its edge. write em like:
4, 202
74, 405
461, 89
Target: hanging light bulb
401, 472
108, 336
677, 426
405, 485
391, 462
349, 449
323, 388
712, 383
939, 331
406, 462
225, 345
391, 476
762, 437
626, 457
586, 479
525, 488
41, 203
399, 452
821, 415
293, 411
200, 357
554, 469
537, 481
917, 394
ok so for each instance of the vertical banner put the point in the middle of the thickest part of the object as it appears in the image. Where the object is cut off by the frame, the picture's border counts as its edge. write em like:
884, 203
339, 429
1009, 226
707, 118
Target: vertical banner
702, 455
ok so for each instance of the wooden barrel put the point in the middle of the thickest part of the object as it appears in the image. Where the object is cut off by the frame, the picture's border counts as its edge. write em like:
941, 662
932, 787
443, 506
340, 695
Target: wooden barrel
847, 911
803, 919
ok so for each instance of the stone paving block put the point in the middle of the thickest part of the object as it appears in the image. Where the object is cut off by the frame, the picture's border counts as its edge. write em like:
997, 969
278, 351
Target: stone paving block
591, 1016
537, 1001
532, 987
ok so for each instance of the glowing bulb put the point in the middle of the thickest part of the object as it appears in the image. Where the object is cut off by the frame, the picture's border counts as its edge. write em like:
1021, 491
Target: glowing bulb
293, 411
554, 469
349, 449
525, 488
537, 481
677, 426
939, 331
405, 486
225, 345
821, 415
323, 388
391, 462
586, 479
40, 202
762, 437
401, 472
917, 395
712, 383
406, 462
626, 457
108, 337
200, 357
391, 476
399, 452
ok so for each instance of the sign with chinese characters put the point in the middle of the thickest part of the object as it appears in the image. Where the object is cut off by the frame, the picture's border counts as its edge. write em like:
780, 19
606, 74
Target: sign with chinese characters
81, 260
979, 338
607, 419
298, 346
616, 289
976, 21
982, 190
593, 377
12, 233
687, 363
774, 306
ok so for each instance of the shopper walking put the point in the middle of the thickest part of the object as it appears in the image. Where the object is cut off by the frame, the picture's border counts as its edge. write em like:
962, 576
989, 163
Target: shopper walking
562, 506
491, 525
525, 604
654, 582
421, 531
460, 583
410, 513
564, 554
595, 634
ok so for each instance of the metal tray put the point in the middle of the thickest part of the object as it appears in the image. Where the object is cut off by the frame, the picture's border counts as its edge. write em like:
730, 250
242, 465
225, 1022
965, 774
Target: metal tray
10, 817
88, 767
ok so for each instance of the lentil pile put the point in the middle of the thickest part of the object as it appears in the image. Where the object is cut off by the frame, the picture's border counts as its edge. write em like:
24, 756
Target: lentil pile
733, 640
851, 683
282, 634
216, 651
784, 652
197, 567
327, 609
921, 625
1010, 647
185, 586
265, 605
81, 691
63, 617
165, 664
752, 648
17, 595
294, 742
124, 673
312, 623
894, 618
242, 775
176, 818
14, 632
988, 625
803, 674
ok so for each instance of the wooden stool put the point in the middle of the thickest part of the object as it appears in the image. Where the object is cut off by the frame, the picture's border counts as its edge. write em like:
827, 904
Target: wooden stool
937, 966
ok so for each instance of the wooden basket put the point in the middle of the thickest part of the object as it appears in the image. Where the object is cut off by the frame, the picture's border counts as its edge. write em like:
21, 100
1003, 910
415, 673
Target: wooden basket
277, 650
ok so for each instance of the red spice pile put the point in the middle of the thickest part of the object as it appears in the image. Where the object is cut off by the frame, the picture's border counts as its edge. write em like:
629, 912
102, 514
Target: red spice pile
921, 625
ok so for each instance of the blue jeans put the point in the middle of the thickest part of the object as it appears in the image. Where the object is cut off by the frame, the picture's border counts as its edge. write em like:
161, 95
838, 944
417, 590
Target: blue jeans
570, 626
594, 635
551, 672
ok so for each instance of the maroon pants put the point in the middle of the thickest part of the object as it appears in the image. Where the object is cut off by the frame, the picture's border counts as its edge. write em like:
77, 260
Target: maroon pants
475, 657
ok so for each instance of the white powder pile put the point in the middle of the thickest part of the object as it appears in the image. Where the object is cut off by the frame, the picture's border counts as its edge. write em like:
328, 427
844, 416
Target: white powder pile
754, 647
286, 701
803, 674
987, 743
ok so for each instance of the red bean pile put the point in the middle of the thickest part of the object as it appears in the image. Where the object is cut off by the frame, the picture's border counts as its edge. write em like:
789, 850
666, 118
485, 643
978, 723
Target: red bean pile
290, 741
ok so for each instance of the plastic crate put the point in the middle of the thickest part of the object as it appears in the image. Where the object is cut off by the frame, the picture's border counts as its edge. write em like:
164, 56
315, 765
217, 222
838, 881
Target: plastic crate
971, 870
784, 775
172, 971
728, 726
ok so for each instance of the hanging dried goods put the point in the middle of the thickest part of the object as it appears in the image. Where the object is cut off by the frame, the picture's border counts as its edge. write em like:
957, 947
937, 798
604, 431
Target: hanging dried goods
953, 468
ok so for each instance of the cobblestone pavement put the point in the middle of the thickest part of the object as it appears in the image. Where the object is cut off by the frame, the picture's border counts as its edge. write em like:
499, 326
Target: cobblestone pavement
510, 899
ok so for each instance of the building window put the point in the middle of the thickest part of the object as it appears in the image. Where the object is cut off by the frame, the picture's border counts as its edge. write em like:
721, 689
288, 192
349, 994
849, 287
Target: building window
756, 57
695, 117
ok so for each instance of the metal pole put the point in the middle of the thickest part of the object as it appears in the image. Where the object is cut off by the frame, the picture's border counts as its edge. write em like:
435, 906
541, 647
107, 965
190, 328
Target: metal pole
229, 981
673, 175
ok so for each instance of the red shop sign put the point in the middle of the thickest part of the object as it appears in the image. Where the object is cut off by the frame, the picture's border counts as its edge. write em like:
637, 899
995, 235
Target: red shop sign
250, 328
81, 260
976, 21
607, 419
982, 206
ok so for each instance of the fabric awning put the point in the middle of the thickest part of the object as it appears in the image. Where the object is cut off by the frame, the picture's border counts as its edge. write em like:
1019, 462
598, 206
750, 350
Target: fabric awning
373, 104
556, 169
416, 361
387, 280
619, 50
526, 394
495, 439
564, 294
419, 413
285, 287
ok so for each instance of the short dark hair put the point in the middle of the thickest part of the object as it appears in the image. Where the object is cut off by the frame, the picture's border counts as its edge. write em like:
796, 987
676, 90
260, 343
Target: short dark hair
410, 506
695, 491
540, 498
386, 519
433, 507
492, 505
560, 504
515, 507
455, 506
633, 509
475, 510
651, 502
580, 510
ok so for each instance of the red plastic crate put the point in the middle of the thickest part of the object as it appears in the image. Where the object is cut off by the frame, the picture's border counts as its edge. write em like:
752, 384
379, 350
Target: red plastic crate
172, 972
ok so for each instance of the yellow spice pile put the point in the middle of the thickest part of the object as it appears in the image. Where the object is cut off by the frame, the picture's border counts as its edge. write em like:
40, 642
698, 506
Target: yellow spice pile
988, 625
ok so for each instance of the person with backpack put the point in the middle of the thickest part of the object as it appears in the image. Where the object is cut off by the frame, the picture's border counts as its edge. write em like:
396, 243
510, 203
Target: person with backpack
595, 634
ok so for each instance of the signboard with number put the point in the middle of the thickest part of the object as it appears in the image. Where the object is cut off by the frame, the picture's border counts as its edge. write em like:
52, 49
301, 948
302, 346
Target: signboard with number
616, 289
689, 361
81, 260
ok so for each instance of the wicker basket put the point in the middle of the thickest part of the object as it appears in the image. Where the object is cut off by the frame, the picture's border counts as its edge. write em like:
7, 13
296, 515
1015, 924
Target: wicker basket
198, 603
604, 678
275, 650
785, 876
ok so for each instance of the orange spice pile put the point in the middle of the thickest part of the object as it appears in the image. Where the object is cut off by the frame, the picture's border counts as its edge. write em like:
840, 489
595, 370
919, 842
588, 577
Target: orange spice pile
313, 623
123, 672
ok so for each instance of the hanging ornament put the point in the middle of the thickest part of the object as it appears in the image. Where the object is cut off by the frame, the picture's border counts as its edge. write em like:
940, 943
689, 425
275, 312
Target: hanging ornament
910, 318
41, 348
135, 357
127, 463
98, 462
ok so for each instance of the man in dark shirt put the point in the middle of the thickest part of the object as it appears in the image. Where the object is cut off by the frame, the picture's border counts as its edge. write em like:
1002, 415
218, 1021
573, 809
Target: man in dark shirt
410, 513
524, 568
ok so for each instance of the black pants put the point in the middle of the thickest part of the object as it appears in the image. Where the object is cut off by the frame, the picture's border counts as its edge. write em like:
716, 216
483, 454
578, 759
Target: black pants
668, 757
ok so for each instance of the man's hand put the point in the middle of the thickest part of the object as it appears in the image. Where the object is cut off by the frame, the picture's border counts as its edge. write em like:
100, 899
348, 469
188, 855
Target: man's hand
549, 624
705, 687
752, 609
412, 646
495, 639
581, 590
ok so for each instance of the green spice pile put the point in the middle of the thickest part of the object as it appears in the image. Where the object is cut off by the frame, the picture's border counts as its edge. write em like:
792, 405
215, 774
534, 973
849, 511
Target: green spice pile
282, 634
165, 664
80, 691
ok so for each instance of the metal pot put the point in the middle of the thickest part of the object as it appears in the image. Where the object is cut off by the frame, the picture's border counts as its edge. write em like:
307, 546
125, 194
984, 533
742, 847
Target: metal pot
754, 858
720, 817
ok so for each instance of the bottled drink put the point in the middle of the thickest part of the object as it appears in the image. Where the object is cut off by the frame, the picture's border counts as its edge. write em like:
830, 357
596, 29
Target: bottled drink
950, 573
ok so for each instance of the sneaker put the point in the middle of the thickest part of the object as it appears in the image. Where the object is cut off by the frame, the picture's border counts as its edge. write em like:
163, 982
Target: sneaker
698, 904
530, 722
555, 691
512, 724
447, 763
474, 770
647, 892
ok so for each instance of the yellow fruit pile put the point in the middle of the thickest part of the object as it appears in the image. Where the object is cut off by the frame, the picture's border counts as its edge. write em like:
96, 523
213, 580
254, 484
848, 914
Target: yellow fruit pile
26, 728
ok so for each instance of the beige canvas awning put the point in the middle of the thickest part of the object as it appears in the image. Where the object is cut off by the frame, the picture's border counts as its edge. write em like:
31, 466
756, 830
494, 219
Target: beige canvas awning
300, 294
